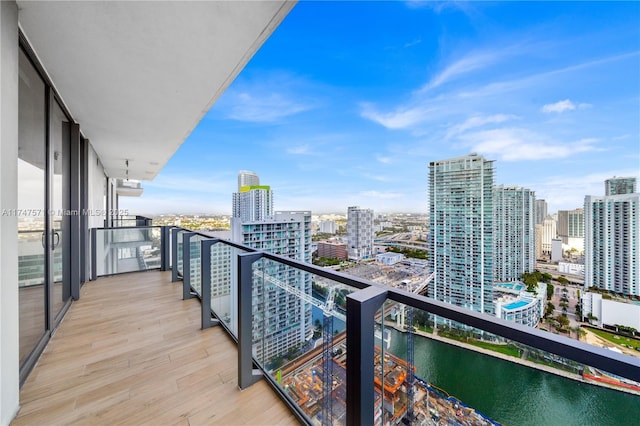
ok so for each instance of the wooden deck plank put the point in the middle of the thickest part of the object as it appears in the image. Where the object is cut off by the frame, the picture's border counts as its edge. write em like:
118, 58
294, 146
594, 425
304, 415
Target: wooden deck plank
131, 352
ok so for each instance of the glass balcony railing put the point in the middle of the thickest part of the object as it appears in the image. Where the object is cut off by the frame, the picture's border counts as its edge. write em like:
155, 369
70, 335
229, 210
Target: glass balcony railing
124, 221
125, 249
343, 350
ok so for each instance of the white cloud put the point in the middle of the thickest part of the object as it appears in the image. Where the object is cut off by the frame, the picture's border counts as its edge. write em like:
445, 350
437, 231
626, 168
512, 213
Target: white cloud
413, 42
264, 108
515, 144
479, 121
402, 118
382, 159
471, 62
559, 107
299, 150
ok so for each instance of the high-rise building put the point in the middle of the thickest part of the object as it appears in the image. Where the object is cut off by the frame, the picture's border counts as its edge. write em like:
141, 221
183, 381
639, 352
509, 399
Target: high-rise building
620, 185
514, 232
570, 228
461, 229
285, 320
539, 228
360, 233
612, 243
328, 227
252, 202
254, 224
247, 178
548, 234
541, 211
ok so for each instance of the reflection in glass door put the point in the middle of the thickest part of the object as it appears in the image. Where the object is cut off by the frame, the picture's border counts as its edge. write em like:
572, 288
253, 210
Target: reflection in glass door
59, 208
43, 213
31, 212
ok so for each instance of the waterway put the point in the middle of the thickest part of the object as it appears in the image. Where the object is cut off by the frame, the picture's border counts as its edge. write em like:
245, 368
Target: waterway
510, 393
513, 394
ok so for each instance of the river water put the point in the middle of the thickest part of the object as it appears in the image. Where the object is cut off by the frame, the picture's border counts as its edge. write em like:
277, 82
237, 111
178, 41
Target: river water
513, 394
510, 393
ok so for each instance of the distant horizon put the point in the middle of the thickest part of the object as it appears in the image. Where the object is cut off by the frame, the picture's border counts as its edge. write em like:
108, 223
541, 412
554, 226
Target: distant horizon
334, 111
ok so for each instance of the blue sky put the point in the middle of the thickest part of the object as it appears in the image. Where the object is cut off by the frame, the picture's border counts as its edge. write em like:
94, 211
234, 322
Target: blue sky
348, 102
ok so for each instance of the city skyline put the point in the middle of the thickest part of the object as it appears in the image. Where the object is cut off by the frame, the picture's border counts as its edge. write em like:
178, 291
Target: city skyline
334, 112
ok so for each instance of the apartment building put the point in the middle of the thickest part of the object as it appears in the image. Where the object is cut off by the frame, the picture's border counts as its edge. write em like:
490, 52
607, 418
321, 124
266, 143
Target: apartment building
620, 185
612, 243
514, 232
286, 324
461, 228
360, 233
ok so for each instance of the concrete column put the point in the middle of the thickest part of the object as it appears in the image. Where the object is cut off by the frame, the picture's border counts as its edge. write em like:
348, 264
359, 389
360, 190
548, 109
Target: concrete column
9, 356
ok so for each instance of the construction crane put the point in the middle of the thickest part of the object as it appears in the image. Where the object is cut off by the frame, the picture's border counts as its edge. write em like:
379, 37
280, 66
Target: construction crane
328, 313
410, 350
327, 307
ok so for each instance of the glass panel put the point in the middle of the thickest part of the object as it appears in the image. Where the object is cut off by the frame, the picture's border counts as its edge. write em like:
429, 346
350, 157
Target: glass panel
127, 250
465, 375
300, 338
224, 270
31, 207
60, 139
180, 242
195, 265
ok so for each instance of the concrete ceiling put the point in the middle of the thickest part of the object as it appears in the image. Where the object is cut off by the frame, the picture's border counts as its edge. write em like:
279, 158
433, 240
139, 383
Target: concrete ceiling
139, 76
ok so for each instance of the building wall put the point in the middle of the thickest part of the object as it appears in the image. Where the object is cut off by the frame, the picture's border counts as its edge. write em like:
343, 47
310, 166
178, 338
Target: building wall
570, 268
332, 250
360, 233
461, 229
541, 211
548, 235
570, 224
618, 186
287, 318
389, 258
328, 227
9, 368
514, 232
612, 243
556, 250
253, 203
610, 312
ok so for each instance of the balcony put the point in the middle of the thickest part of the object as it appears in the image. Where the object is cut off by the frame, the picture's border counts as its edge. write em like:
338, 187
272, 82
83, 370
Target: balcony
130, 351
173, 347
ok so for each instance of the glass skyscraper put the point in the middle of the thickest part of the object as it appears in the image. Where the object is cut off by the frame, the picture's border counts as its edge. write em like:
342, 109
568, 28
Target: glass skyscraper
462, 226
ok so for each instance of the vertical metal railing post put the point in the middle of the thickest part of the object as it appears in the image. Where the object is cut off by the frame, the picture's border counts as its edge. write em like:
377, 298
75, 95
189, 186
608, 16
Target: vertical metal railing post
165, 240
94, 257
205, 281
174, 255
186, 266
362, 306
247, 375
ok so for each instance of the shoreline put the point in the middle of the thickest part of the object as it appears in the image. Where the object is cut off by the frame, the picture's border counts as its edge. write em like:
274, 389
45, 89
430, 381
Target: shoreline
531, 364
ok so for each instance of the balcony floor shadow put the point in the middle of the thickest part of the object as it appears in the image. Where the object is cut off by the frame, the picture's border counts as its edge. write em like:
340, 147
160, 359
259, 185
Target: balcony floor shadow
131, 352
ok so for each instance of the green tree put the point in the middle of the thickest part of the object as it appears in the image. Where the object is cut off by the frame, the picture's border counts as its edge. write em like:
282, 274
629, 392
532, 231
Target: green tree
548, 312
562, 322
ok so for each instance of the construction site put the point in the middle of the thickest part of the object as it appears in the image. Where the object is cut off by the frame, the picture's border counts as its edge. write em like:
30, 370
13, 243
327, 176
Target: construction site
397, 401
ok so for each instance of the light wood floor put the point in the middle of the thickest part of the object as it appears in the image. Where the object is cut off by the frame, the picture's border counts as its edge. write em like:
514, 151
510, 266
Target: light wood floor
131, 352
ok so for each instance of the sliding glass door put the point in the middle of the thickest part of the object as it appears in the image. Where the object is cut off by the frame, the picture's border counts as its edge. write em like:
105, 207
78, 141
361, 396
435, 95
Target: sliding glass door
31, 212
43, 213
